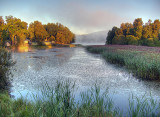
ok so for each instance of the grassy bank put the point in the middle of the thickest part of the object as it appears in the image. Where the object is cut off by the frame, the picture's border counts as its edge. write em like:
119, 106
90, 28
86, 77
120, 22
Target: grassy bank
60, 102
143, 62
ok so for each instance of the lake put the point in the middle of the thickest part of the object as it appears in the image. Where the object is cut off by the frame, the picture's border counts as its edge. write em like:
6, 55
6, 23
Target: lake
36, 68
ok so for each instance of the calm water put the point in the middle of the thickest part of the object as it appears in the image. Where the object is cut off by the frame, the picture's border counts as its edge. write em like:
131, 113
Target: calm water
33, 69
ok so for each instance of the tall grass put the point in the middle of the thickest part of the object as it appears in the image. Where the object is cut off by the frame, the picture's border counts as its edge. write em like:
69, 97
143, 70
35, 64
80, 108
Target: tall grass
144, 65
59, 102
143, 107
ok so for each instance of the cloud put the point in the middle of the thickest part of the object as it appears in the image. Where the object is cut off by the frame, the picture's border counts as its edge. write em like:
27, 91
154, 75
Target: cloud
81, 16
84, 18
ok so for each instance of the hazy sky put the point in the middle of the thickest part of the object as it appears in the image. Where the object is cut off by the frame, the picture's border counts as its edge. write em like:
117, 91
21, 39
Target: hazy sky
82, 16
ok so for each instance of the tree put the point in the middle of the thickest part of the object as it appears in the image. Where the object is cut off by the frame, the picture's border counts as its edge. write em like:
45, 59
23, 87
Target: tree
15, 27
61, 33
138, 27
148, 34
155, 28
52, 29
52, 38
111, 35
37, 32
119, 39
145, 32
119, 32
126, 27
1, 30
60, 38
131, 40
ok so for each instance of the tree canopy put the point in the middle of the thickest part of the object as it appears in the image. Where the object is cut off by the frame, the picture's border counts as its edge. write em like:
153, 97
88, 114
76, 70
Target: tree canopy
16, 31
137, 33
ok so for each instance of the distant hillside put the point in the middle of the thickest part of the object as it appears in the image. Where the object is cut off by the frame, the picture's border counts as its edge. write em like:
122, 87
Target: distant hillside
92, 38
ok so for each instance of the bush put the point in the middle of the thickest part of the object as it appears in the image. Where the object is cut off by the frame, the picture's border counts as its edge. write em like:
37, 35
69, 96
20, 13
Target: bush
120, 39
5, 64
132, 40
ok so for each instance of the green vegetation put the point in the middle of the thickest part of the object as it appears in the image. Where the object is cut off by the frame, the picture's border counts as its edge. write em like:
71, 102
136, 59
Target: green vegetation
5, 64
60, 102
15, 32
142, 63
136, 33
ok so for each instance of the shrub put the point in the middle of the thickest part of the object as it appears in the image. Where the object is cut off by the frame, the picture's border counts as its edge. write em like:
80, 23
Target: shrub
132, 40
5, 64
120, 39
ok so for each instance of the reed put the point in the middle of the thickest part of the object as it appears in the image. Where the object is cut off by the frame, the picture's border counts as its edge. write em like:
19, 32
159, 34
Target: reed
143, 64
60, 102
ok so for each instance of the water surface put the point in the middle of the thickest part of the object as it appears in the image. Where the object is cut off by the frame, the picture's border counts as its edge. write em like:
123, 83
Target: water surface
35, 68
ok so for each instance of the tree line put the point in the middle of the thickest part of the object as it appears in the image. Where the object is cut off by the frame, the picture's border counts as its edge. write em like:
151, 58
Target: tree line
137, 33
16, 31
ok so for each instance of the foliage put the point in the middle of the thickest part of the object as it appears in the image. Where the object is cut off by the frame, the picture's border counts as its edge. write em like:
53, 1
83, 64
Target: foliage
131, 40
111, 35
120, 39
5, 64
16, 31
59, 33
60, 102
135, 34
37, 32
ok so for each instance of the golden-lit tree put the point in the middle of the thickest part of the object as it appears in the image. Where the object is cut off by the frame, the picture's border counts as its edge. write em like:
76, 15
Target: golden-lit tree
37, 32
1, 30
61, 34
155, 28
136, 34
138, 27
15, 27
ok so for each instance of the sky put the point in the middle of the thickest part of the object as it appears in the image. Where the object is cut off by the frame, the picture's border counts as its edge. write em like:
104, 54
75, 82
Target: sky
82, 16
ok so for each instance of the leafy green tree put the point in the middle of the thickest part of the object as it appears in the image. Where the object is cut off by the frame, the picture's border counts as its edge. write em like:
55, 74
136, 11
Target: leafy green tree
131, 40
119, 39
111, 35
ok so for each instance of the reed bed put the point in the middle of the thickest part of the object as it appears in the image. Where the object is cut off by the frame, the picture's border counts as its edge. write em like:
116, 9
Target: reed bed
143, 62
60, 102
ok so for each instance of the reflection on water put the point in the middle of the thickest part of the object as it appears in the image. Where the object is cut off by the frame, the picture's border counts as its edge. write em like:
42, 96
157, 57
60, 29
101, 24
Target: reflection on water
23, 48
33, 69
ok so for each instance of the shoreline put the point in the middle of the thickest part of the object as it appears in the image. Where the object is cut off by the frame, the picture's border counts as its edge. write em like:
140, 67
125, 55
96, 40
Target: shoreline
143, 62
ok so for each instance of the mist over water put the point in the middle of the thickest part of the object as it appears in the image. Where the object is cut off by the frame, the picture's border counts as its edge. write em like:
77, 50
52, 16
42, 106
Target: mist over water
34, 69
97, 38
